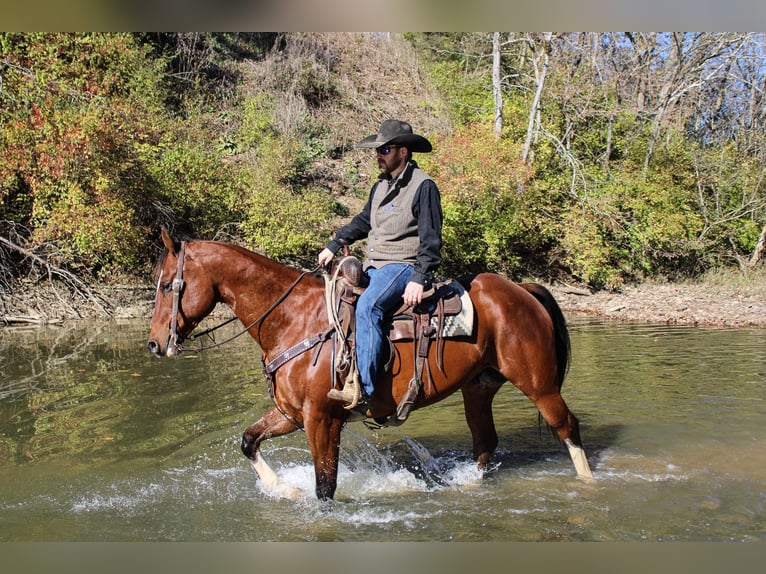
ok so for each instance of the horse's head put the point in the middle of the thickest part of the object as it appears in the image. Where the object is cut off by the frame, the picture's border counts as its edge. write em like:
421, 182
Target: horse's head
185, 296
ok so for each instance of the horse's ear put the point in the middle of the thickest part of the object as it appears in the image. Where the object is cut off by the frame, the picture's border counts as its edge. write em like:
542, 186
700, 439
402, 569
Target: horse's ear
171, 245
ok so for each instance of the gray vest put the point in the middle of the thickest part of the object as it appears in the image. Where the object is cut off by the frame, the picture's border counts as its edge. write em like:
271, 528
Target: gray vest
393, 236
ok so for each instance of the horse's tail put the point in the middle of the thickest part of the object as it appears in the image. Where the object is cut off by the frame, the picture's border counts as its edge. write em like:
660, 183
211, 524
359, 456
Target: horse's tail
560, 329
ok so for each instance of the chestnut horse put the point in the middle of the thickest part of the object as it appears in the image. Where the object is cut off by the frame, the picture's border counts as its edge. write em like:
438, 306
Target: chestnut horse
519, 335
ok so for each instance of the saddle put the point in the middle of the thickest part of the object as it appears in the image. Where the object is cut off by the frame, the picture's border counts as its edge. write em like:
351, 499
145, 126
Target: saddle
441, 314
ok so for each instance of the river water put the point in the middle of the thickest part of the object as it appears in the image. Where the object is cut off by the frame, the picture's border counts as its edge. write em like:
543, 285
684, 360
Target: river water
99, 441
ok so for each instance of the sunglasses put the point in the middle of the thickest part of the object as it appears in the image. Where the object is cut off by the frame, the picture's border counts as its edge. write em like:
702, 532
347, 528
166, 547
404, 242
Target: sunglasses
386, 149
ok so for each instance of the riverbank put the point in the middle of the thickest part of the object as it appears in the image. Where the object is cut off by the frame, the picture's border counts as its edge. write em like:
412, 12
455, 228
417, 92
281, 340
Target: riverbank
718, 301
712, 303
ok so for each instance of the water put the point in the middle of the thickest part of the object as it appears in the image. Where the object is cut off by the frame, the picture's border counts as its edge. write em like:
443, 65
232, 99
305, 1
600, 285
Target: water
99, 441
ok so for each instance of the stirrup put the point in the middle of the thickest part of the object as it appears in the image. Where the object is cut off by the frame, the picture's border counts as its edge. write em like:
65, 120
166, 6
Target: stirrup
408, 401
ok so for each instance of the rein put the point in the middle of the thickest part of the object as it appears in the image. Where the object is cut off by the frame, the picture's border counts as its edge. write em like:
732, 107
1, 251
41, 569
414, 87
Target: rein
178, 286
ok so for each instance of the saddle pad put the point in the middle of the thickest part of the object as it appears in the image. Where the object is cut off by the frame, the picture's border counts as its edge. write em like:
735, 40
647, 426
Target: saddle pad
461, 324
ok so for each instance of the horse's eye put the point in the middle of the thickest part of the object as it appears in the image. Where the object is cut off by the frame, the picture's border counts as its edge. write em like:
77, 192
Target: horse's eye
167, 286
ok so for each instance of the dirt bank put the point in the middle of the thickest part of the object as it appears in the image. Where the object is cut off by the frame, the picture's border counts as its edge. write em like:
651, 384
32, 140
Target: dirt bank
676, 304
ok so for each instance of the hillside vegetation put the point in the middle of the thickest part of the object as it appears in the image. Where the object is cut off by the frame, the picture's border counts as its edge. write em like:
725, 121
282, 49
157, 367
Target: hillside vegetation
593, 158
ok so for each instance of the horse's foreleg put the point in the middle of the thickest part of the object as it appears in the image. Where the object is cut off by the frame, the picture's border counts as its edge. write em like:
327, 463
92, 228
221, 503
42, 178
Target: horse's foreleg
477, 402
273, 423
264, 471
560, 418
323, 435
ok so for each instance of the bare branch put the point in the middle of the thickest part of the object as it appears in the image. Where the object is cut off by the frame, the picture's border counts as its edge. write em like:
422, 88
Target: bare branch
73, 283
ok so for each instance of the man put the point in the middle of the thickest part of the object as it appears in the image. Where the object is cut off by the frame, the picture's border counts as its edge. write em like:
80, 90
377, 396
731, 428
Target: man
402, 222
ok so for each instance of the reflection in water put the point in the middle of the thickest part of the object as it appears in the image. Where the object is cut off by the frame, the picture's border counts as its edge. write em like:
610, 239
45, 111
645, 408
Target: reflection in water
101, 441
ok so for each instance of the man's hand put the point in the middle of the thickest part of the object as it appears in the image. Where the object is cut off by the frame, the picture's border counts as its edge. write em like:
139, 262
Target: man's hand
325, 257
413, 294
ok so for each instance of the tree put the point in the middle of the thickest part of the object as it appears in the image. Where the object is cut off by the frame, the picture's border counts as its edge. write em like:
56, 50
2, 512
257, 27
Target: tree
760, 249
539, 48
497, 87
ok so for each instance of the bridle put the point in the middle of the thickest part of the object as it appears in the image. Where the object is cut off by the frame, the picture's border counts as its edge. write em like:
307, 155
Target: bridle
177, 287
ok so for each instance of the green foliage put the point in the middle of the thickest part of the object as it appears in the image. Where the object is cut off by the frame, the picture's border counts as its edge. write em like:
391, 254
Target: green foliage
628, 227
729, 184
282, 220
450, 61
195, 184
94, 161
95, 229
587, 248
104, 137
257, 123
489, 222
472, 101
72, 118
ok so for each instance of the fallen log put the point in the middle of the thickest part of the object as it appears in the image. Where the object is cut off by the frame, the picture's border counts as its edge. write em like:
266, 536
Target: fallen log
28, 320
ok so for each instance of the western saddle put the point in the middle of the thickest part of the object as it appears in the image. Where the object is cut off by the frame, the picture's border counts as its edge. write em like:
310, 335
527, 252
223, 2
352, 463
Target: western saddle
422, 325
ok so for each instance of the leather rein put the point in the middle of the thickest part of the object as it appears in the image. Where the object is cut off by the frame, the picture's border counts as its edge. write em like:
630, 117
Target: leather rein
178, 285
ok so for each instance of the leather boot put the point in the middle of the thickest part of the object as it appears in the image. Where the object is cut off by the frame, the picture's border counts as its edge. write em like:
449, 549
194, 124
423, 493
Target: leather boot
350, 394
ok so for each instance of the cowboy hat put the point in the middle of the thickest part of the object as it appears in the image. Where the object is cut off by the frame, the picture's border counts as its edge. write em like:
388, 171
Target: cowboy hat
396, 132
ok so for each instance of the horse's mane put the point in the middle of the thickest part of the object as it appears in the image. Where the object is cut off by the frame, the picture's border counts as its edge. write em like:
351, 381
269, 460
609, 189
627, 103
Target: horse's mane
251, 254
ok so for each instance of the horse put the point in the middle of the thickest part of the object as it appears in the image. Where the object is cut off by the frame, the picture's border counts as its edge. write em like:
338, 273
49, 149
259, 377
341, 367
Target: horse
520, 335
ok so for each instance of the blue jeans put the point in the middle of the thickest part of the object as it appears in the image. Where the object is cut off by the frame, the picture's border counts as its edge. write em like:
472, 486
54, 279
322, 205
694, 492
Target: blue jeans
382, 297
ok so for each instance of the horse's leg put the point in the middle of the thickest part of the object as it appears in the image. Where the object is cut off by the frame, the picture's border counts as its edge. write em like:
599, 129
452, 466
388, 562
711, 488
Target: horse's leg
323, 433
477, 401
272, 424
556, 413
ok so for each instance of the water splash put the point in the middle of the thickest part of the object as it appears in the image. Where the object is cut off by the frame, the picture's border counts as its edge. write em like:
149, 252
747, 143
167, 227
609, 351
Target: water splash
368, 470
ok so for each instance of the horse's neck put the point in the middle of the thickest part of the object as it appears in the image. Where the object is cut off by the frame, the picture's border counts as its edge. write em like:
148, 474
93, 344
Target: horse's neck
250, 284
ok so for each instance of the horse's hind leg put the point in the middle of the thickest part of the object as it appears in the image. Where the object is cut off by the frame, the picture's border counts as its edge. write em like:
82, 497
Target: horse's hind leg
556, 413
477, 401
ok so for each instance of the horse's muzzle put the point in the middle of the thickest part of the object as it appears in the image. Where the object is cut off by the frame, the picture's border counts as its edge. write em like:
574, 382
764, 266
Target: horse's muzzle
156, 349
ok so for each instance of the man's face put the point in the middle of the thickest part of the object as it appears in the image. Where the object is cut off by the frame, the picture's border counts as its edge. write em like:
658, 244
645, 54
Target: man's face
391, 159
